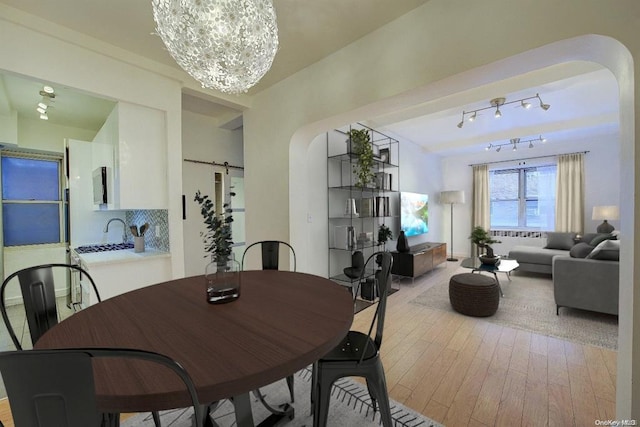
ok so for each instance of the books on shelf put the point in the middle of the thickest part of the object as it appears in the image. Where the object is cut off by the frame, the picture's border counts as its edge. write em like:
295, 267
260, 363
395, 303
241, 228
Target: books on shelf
383, 180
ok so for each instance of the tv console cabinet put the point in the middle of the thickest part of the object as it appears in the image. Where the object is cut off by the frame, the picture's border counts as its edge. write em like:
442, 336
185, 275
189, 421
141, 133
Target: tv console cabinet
420, 259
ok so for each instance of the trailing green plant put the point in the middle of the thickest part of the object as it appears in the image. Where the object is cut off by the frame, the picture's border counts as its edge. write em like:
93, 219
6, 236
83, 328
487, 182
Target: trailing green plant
217, 239
384, 234
361, 144
483, 239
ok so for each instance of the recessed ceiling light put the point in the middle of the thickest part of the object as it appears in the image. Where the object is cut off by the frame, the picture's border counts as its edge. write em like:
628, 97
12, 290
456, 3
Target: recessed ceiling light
48, 89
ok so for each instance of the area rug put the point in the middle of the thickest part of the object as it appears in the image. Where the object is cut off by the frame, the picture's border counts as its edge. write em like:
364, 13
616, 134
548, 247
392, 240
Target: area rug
350, 406
528, 304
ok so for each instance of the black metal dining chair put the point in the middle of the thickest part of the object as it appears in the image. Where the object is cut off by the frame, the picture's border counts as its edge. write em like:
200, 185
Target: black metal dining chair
270, 254
270, 250
56, 387
38, 290
358, 354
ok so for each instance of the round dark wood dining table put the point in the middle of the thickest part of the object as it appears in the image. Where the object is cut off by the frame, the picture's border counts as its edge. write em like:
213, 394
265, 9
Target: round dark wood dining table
282, 322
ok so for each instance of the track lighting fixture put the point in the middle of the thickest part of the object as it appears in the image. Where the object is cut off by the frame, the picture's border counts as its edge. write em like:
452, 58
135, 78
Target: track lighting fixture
513, 142
499, 102
48, 96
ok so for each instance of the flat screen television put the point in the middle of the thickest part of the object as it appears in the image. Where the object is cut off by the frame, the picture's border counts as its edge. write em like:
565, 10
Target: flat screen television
414, 213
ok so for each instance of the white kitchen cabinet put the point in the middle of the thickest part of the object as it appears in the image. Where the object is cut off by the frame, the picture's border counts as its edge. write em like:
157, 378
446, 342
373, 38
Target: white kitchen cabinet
139, 157
118, 272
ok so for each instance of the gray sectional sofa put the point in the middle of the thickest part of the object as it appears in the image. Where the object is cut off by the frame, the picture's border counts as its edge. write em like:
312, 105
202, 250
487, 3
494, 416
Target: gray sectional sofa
585, 271
539, 260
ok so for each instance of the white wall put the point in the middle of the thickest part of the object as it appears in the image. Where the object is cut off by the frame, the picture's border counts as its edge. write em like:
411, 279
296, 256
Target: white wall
602, 181
23, 52
203, 140
423, 61
41, 135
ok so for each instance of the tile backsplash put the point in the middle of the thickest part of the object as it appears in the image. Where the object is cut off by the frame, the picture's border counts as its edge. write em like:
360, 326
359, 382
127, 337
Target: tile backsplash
156, 217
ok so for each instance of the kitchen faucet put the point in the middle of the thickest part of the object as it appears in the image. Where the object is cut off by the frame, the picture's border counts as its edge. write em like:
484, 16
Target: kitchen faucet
124, 228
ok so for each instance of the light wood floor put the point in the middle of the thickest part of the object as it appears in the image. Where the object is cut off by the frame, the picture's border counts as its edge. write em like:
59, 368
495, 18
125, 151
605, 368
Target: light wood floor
464, 371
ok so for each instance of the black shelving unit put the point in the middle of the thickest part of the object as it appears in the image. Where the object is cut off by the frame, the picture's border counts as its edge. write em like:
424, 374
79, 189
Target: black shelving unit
376, 204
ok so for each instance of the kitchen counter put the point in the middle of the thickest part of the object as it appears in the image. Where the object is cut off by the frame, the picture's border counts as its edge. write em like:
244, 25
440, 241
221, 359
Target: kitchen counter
119, 271
121, 256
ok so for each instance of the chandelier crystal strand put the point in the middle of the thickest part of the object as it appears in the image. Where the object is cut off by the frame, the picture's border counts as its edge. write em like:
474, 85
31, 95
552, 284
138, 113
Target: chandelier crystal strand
227, 45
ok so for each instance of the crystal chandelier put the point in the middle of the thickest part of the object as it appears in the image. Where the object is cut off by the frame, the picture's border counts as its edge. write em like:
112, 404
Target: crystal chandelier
226, 45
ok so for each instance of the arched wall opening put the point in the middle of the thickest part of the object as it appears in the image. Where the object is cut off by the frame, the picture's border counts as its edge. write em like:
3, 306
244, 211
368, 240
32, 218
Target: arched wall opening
602, 50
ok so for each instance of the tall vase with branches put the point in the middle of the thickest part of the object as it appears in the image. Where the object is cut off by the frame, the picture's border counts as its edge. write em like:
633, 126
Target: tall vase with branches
221, 274
217, 239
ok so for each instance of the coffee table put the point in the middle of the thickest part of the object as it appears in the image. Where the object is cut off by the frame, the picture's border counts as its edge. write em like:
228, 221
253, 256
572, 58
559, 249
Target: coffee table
504, 266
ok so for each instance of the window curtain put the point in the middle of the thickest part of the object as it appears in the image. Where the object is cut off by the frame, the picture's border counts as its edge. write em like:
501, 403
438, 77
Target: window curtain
481, 206
570, 193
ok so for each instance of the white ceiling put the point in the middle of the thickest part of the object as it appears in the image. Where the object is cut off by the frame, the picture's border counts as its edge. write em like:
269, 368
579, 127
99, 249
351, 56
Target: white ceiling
583, 97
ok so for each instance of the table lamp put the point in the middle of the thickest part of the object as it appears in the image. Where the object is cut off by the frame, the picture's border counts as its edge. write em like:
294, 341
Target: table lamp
605, 213
452, 197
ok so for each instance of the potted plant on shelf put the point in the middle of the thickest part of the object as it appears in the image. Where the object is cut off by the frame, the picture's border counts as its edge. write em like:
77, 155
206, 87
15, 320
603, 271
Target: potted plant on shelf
384, 234
360, 144
483, 239
221, 274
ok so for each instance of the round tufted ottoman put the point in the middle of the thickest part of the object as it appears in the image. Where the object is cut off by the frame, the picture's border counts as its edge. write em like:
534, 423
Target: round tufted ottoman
474, 294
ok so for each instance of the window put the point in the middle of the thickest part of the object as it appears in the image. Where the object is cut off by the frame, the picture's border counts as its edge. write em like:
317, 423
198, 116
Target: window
32, 205
523, 198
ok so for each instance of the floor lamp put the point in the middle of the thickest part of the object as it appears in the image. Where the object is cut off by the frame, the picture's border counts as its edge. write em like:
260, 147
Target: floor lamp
452, 197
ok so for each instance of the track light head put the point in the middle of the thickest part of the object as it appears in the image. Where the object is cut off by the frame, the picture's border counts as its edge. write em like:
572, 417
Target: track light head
526, 105
544, 106
44, 116
41, 110
472, 117
488, 147
461, 121
498, 114
543, 139
498, 149
530, 144
515, 147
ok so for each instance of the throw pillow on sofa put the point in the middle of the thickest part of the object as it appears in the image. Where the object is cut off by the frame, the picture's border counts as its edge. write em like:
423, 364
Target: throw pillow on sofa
608, 250
581, 250
560, 240
601, 237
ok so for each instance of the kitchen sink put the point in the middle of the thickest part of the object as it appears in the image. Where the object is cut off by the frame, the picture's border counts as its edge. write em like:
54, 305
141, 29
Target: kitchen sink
103, 247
